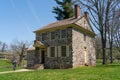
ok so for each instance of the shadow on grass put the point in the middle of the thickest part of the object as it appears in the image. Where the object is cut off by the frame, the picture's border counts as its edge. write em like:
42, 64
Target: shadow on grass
108, 65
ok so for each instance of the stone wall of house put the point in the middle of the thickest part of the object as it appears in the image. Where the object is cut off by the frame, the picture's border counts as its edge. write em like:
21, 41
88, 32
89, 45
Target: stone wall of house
90, 43
57, 61
57, 41
79, 46
30, 58
84, 23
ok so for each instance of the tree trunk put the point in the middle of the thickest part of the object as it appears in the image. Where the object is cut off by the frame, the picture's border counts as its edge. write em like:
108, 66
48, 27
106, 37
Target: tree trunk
104, 55
21, 55
111, 57
103, 49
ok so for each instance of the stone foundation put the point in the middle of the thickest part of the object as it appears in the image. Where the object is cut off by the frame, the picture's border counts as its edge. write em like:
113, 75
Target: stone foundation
56, 63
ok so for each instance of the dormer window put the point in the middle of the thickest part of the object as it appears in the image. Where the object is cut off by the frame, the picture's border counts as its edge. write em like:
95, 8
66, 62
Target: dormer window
63, 33
53, 35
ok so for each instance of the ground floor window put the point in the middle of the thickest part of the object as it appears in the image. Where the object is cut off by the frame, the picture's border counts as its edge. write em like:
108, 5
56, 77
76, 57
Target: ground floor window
63, 51
52, 52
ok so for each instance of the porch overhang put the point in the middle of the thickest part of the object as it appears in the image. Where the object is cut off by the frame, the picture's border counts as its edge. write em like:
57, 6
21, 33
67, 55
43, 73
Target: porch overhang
38, 44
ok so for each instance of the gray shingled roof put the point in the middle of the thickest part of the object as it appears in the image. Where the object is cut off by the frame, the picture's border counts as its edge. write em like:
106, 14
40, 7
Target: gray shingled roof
60, 23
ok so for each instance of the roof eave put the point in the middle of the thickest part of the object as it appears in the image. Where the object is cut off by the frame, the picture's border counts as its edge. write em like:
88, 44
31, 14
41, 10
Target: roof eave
84, 30
53, 28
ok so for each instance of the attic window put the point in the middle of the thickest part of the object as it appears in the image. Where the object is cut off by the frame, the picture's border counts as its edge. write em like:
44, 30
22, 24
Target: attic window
85, 24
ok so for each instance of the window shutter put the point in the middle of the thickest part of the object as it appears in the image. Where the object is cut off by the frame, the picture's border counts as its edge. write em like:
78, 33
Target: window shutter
48, 51
59, 51
55, 51
67, 51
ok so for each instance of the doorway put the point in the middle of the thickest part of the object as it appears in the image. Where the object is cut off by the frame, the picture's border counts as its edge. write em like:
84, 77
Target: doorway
85, 53
42, 57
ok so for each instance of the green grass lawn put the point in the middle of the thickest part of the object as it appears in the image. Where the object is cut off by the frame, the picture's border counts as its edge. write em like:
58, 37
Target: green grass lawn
5, 62
5, 65
100, 72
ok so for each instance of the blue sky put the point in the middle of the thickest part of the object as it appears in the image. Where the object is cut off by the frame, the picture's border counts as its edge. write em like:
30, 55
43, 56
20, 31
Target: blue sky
19, 18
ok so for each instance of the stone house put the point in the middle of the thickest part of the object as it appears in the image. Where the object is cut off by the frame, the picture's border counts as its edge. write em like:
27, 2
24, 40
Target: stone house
67, 43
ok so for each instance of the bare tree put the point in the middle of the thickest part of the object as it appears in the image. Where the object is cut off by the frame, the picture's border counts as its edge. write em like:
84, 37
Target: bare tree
20, 47
117, 40
113, 30
100, 13
98, 46
3, 46
117, 34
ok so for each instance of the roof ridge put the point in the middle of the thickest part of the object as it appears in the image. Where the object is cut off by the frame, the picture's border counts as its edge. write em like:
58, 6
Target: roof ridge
60, 23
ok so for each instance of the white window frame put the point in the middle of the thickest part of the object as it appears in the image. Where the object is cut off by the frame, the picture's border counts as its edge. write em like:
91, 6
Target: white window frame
54, 51
65, 51
51, 35
61, 34
42, 36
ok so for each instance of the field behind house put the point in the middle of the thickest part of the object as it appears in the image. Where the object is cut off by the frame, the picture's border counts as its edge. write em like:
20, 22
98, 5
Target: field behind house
5, 65
100, 72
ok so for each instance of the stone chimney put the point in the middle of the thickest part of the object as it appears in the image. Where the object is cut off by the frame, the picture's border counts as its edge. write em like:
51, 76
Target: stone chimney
86, 15
77, 11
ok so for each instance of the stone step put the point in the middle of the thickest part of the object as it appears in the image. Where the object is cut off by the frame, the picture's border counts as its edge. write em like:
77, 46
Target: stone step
38, 66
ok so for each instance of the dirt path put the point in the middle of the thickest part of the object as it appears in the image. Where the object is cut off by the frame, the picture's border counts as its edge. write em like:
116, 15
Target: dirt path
21, 70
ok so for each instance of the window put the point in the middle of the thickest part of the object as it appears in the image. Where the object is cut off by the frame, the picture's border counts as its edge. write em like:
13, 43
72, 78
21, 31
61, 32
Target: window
85, 24
52, 51
63, 51
43, 36
37, 37
52, 35
84, 37
63, 34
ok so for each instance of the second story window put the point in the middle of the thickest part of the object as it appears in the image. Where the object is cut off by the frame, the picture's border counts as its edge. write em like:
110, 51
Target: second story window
44, 35
52, 35
63, 33
38, 36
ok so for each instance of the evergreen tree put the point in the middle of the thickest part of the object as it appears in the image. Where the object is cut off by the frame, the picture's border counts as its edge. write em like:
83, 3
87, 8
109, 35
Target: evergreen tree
64, 10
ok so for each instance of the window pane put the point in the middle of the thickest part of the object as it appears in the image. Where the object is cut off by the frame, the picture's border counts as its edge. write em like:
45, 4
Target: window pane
63, 34
43, 36
52, 35
63, 51
84, 37
52, 51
